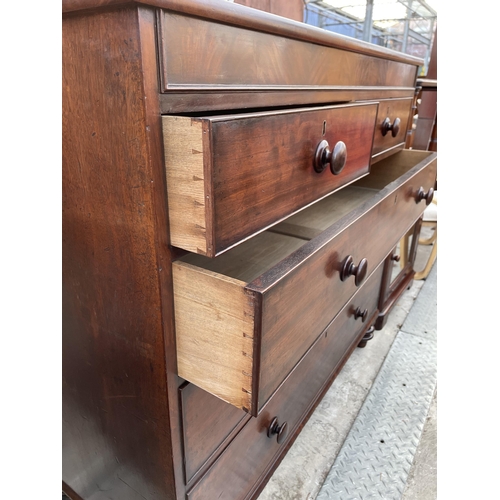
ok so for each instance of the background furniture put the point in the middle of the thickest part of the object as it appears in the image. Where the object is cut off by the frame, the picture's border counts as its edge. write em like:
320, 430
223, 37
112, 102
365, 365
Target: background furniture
292, 9
425, 136
408, 257
229, 212
429, 220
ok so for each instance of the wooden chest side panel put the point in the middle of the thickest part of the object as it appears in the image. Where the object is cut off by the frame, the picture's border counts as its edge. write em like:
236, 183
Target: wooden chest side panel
116, 430
196, 53
214, 323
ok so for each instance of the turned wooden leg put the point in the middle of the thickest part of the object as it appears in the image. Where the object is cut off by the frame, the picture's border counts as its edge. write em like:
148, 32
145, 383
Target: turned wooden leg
366, 337
403, 249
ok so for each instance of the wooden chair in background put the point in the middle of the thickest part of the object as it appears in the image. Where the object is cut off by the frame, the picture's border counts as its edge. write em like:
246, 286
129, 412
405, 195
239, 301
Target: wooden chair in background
429, 220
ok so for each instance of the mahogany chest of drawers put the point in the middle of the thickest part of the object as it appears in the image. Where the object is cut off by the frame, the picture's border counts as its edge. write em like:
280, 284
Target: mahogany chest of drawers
234, 187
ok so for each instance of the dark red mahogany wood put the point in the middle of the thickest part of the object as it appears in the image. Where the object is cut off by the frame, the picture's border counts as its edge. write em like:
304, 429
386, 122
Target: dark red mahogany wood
120, 421
350, 269
125, 435
392, 127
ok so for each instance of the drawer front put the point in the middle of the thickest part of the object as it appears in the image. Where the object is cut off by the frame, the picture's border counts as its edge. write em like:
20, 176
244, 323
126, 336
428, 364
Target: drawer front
392, 123
251, 454
240, 341
230, 177
208, 423
299, 305
199, 54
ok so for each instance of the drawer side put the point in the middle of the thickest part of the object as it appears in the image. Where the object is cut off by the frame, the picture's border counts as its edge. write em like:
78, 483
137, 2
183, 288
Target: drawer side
184, 164
214, 322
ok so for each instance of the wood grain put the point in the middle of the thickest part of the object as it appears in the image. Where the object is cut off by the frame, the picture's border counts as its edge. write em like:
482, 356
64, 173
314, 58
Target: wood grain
314, 220
389, 212
392, 168
293, 9
252, 258
190, 102
392, 109
208, 425
238, 15
299, 286
184, 160
427, 117
260, 168
116, 431
292, 403
214, 321
123, 430
200, 54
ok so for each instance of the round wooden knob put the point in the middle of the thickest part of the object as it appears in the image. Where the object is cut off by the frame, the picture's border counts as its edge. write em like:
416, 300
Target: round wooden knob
358, 313
393, 127
349, 269
275, 428
336, 158
396, 258
422, 195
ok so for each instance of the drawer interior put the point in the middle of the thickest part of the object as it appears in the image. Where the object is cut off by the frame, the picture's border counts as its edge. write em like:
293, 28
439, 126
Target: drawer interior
315, 219
244, 319
231, 335
392, 168
253, 257
250, 259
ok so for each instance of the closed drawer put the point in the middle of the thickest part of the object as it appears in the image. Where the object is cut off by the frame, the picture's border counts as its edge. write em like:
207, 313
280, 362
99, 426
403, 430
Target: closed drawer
392, 123
208, 423
199, 54
252, 453
230, 177
244, 319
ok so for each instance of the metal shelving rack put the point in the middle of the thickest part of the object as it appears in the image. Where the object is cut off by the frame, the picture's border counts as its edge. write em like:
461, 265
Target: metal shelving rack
404, 25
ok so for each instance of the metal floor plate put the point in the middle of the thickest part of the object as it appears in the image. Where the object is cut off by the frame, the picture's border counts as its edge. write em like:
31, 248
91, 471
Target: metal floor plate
378, 452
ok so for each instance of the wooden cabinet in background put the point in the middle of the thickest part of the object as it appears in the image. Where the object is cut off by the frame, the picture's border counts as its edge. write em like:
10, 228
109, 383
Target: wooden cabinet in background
292, 9
425, 134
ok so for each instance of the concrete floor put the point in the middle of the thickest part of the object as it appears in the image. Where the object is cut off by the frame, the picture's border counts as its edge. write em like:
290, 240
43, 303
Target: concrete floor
304, 469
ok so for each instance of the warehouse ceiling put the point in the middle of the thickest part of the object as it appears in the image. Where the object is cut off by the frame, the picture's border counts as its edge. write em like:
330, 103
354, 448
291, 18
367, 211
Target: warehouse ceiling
385, 12
404, 25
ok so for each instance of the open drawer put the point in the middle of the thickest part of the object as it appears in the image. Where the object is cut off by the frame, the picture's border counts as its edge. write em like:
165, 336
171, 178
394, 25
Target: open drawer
230, 177
243, 320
